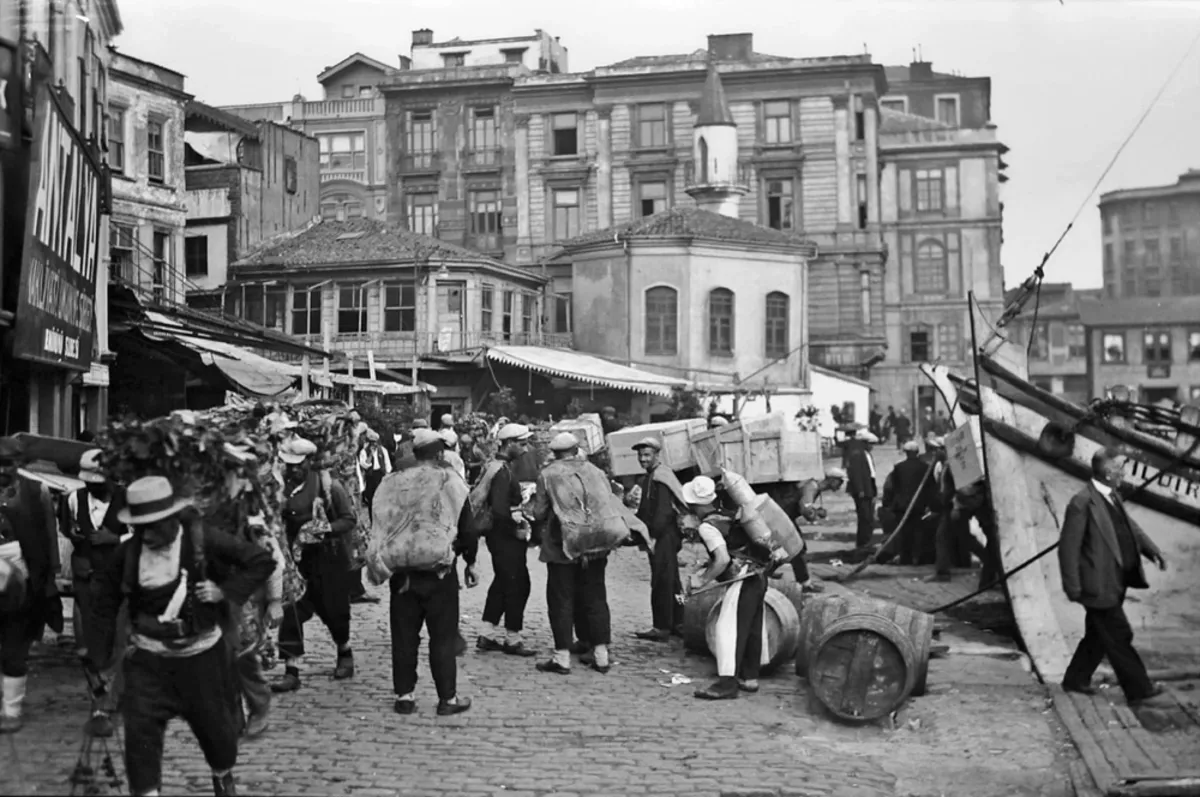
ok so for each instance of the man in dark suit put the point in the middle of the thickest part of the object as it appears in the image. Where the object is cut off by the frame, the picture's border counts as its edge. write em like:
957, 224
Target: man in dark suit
860, 483
1099, 556
908, 485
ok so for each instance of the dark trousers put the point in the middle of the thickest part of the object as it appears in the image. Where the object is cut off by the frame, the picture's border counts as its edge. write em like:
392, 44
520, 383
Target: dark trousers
159, 688
509, 591
864, 508
573, 588
1107, 633
432, 602
666, 612
15, 643
800, 568
323, 566
956, 543
751, 605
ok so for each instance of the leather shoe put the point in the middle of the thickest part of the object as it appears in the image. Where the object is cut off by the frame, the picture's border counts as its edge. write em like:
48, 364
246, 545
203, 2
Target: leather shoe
486, 644
600, 668
1079, 689
344, 668
405, 707
455, 705
518, 649
10, 724
100, 725
554, 667
654, 635
1159, 698
580, 648
255, 726
288, 682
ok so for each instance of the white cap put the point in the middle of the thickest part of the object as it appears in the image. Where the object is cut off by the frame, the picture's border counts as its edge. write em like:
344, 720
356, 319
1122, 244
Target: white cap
700, 491
513, 431
426, 437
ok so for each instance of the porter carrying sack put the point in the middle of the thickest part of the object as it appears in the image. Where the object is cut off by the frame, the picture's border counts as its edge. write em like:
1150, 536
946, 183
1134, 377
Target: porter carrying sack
587, 511
416, 521
480, 507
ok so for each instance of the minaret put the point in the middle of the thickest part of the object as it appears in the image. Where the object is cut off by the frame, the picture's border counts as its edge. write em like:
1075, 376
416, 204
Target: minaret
715, 184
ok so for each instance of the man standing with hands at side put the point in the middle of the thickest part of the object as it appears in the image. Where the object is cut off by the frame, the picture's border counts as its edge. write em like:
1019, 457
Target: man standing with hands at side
1100, 557
658, 506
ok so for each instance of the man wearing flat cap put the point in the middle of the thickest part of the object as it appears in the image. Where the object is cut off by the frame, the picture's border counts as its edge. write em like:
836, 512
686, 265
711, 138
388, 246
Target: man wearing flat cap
318, 516
909, 484
28, 549
92, 525
180, 579
508, 544
861, 483
660, 503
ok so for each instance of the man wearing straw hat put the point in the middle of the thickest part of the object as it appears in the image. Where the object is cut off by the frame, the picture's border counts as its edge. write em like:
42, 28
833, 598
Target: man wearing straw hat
179, 585
92, 524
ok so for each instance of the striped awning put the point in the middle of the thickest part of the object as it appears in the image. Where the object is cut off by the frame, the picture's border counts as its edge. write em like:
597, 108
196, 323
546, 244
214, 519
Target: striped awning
579, 367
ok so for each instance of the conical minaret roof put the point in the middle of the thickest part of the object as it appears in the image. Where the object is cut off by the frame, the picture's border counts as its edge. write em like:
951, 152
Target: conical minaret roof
714, 110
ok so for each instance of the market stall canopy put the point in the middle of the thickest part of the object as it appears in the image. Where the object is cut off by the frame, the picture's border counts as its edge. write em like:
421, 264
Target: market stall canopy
365, 385
579, 367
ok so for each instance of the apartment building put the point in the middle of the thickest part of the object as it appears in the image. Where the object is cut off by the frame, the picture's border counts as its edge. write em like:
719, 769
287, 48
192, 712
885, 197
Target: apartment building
1151, 239
1056, 341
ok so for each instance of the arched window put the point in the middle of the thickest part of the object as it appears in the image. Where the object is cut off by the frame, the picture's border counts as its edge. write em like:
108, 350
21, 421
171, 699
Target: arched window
777, 312
720, 322
662, 325
930, 272
703, 160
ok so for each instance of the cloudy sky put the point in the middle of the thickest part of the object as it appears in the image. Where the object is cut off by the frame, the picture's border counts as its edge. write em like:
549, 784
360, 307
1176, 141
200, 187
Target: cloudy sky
1069, 79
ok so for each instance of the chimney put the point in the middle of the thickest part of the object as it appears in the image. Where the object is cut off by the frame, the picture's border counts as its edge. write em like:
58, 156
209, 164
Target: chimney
920, 70
731, 46
422, 37
405, 63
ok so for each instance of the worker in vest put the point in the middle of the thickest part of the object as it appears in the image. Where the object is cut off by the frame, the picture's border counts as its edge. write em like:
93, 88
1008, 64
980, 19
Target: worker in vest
507, 542
740, 649
423, 519
28, 562
658, 499
181, 581
574, 585
324, 560
92, 526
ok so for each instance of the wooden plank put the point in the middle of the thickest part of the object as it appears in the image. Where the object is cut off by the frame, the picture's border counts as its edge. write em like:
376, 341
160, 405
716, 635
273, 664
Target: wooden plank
1179, 787
1089, 748
1110, 742
1153, 750
1081, 780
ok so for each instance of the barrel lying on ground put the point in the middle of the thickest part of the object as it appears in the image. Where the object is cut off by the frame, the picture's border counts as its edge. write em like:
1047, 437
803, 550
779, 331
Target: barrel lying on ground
863, 667
700, 615
818, 614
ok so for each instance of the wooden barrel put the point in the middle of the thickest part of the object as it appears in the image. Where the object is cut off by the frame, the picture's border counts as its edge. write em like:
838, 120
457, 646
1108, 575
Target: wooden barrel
863, 667
782, 621
819, 613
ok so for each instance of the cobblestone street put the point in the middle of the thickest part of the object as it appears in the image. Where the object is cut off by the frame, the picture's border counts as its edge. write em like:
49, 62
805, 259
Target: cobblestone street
982, 730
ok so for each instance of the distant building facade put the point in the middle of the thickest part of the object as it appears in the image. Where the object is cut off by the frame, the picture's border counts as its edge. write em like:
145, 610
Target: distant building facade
145, 155
1151, 239
1150, 346
1058, 355
942, 215
246, 182
348, 124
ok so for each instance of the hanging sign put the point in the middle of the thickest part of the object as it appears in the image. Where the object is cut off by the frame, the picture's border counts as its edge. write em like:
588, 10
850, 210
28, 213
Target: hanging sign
55, 313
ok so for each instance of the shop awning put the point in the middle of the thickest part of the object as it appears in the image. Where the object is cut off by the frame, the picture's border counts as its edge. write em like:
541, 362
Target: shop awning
364, 385
578, 367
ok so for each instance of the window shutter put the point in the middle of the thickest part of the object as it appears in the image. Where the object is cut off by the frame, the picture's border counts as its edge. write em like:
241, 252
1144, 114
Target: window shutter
954, 275
906, 345
760, 122
951, 183
906, 189
139, 167
906, 264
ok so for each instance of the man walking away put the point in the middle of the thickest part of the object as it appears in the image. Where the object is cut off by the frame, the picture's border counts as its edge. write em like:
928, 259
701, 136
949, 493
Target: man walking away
319, 517
860, 483
180, 585
422, 522
903, 427
1100, 557
508, 543
574, 508
660, 503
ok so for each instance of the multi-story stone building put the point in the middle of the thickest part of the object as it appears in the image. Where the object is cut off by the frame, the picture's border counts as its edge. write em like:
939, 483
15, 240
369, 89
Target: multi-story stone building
1058, 355
1151, 239
348, 123
54, 356
1150, 346
145, 155
941, 213
614, 145
246, 182
451, 126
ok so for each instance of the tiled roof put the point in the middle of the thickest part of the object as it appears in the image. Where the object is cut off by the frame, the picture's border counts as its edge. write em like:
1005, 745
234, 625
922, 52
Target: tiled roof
691, 222
1140, 311
680, 59
891, 121
358, 241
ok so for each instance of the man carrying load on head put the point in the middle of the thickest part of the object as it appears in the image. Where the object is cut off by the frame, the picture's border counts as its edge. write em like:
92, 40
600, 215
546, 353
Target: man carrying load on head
733, 557
422, 522
659, 505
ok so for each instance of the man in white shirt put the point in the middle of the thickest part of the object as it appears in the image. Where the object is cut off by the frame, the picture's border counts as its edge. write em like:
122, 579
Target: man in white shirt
373, 464
451, 457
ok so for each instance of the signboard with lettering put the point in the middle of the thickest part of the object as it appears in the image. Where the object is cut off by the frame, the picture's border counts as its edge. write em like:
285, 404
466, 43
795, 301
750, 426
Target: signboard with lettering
964, 453
10, 99
55, 321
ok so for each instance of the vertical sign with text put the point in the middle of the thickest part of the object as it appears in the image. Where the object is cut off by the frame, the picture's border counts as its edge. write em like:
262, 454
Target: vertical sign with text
55, 321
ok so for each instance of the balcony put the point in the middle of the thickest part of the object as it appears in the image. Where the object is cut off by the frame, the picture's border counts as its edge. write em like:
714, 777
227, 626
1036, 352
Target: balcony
341, 109
421, 162
354, 175
692, 180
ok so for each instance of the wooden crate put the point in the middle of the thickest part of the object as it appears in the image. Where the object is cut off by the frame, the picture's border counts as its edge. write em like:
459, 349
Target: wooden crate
587, 428
674, 436
763, 450
964, 453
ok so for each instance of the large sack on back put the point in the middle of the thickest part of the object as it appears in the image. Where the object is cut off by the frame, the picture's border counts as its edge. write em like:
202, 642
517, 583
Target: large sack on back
480, 509
416, 515
587, 511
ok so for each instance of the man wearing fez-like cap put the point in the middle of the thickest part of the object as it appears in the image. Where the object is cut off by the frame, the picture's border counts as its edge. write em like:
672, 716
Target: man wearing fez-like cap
324, 559
181, 585
508, 542
660, 500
